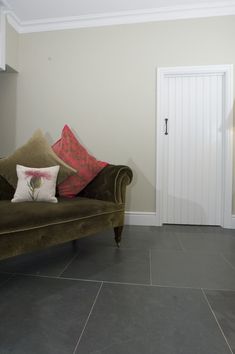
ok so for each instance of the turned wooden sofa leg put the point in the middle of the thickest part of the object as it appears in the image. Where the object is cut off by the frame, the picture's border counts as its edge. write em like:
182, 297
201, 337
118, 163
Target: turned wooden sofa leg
118, 234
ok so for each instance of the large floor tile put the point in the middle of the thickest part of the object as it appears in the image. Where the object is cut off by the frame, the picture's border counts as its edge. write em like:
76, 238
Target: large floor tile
182, 228
207, 242
155, 237
211, 229
101, 239
217, 229
140, 228
191, 269
149, 320
49, 262
230, 258
110, 264
223, 305
42, 315
136, 238
4, 278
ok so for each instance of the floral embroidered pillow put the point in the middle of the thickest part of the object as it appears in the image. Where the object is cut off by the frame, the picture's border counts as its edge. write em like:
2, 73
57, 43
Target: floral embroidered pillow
73, 153
36, 184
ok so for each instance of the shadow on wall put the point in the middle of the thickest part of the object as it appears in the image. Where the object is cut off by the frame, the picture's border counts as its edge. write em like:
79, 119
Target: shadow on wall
49, 138
141, 197
141, 192
52, 141
8, 112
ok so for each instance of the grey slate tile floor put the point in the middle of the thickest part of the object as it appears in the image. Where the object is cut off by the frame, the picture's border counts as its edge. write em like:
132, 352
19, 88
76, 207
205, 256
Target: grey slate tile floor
168, 290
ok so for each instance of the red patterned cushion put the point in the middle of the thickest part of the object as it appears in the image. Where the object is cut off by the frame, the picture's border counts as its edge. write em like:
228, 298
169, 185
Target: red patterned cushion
73, 153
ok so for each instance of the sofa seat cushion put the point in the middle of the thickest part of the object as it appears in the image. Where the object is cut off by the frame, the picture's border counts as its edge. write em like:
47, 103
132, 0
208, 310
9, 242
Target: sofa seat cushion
18, 217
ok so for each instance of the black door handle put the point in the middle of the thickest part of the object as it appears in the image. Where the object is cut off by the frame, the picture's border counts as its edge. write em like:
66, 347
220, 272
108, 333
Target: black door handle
166, 127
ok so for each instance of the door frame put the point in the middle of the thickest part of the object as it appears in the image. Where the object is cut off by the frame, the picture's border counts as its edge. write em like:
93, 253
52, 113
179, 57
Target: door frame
2, 38
227, 134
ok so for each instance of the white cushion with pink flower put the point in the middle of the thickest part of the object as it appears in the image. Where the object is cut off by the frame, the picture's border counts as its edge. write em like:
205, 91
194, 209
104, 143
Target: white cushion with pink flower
36, 184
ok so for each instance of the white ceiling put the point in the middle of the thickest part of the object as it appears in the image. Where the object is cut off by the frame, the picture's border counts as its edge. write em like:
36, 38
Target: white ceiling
30, 10
40, 15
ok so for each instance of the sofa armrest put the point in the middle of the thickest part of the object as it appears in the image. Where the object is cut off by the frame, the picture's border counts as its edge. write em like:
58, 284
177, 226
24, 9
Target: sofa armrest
109, 185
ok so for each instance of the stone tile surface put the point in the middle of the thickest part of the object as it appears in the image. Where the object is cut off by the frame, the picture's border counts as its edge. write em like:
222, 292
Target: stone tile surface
43, 315
47, 315
4, 278
139, 319
223, 305
110, 264
191, 269
48, 262
207, 241
230, 258
136, 238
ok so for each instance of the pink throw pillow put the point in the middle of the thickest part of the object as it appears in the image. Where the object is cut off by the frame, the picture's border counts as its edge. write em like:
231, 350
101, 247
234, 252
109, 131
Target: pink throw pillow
73, 153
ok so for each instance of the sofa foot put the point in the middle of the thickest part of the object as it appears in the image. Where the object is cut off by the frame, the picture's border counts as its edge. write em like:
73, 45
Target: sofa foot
118, 235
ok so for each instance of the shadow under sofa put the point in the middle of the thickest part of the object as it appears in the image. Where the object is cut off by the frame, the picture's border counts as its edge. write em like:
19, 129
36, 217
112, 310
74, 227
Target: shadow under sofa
31, 226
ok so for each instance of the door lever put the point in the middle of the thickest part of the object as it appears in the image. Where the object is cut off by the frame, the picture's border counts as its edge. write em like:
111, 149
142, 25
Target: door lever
166, 127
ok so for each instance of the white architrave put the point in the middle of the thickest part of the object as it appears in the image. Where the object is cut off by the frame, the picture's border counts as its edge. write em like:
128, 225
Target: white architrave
2, 38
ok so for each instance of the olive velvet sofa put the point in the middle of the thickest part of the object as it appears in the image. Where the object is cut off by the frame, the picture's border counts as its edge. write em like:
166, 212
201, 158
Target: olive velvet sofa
31, 226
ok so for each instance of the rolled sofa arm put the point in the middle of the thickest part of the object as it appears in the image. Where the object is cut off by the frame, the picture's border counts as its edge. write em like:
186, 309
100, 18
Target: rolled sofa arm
109, 185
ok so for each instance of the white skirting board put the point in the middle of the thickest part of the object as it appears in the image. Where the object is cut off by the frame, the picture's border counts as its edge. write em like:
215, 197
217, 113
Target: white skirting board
151, 219
141, 218
233, 222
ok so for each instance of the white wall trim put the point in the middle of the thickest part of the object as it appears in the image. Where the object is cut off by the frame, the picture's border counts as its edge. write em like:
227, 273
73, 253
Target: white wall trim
152, 219
141, 218
196, 10
2, 38
228, 146
227, 71
232, 222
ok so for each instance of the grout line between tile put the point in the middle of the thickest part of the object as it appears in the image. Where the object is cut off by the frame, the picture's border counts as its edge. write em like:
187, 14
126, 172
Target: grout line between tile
55, 277
213, 313
116, 282
216, 289
106, 281
180, 243
200, 252
150, 286
113, 282
68, 264
80, 279
227, 261
33, 275
159, 285
88, 317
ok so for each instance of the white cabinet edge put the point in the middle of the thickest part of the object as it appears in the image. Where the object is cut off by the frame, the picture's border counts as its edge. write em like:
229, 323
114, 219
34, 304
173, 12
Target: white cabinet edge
2, 38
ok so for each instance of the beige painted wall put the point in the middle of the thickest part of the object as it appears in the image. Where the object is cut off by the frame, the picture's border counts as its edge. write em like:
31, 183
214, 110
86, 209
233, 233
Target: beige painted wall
102, 82
8, 99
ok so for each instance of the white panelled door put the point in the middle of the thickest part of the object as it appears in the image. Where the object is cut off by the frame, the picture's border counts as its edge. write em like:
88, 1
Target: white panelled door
192, 145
